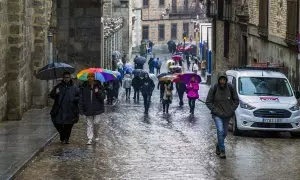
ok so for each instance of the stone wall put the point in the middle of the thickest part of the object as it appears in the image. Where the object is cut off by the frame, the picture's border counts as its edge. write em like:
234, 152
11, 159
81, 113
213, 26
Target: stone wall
23, 43
4, 30
78, 38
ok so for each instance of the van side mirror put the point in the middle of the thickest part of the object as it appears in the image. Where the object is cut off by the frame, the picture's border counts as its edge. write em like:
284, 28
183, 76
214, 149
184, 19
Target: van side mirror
297, 94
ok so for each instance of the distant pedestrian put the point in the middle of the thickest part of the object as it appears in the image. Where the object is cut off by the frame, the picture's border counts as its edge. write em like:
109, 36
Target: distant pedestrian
188, 62
195, 67
151, 64
192, 93
181, 89
136, 84
117, 83
91, 104
110, 92
158, 65
167, 96
222, 100
146, 88
127, 85
151, 44
65, 112
161, 87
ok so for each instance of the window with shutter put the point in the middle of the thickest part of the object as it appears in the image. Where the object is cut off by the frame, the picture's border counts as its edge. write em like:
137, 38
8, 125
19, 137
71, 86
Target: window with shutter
145, 34
174, 31
161, 2
161, 32
292, 22
220, 9
227, 10
263, 18
145, 3
186, 28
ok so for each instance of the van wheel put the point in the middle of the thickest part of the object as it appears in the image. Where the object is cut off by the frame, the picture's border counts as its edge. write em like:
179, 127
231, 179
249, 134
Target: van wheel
235, 129
295, 134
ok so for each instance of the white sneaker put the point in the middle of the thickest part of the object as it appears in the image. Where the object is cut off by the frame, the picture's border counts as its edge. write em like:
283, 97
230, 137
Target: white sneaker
90, 142
97, 139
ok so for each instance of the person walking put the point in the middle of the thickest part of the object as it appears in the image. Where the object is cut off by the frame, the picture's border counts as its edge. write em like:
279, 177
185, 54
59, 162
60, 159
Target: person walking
127, 85
161, 87
136, 84
147, 88
117, 83
188, 63
167, 96
65, 112
91, 104
222, 100
158, 65
109, 87
181, 89
195, 67
151, 64
192, 93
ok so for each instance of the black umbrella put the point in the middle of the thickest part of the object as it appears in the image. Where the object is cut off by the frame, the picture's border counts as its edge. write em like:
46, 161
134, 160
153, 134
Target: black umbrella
140, 60
162, 75
171, 42
139, 72
54, 71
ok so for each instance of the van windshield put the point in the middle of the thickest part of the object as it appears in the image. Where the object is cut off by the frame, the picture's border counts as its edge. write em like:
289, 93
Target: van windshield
264, 86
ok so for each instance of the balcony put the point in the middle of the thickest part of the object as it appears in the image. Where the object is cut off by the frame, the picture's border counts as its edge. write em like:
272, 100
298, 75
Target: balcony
182, 11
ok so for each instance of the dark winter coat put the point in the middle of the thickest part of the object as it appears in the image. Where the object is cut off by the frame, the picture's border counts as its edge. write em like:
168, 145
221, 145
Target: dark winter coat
136, 83
147, 86
91, 103
181, 88
65, 108
222, 101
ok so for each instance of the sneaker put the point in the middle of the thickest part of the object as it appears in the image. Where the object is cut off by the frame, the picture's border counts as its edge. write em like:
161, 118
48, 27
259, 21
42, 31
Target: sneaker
97, 139
218, 152
223, 155
90, 142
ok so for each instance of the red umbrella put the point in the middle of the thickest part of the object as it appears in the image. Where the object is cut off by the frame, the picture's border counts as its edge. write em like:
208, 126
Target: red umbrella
176, 57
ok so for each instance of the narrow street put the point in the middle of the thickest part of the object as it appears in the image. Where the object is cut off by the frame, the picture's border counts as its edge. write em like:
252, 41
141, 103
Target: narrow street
158, 146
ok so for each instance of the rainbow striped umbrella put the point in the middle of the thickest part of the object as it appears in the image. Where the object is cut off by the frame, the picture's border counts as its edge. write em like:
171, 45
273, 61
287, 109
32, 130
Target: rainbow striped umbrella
103, 75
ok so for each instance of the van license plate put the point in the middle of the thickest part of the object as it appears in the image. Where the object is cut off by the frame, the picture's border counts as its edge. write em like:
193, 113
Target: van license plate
271, 120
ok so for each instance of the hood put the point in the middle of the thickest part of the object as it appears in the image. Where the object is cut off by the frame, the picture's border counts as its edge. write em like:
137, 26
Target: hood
222, 74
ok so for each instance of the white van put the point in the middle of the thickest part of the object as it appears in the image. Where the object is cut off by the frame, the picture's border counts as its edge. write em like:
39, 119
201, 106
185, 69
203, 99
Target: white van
267, 102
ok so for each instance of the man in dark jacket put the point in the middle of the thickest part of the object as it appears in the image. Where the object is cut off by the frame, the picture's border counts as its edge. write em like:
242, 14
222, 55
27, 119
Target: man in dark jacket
91, 104
65, 110
136, 84
151, 64
222, 100
161, 87
146, 88
181, 89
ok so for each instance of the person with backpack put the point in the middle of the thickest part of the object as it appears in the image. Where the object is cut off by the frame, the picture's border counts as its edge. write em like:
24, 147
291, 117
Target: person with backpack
222, 100
136, 84
167, 96
127, 85
192, 93
147, 88
65, 112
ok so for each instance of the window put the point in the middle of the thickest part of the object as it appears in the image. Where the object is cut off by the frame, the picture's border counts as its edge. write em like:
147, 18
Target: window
186, 28
227, 10
263, 17
220, 9
145, 3
161, 32
226, 39
173, 31
145, 30
161, 2
292, 14
186, 4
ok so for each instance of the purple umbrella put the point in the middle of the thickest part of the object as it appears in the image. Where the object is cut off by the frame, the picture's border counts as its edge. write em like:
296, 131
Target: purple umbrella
186, 77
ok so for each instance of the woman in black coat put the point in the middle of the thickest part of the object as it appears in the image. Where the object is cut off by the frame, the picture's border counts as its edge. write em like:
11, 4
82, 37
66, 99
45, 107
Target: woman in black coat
65, 110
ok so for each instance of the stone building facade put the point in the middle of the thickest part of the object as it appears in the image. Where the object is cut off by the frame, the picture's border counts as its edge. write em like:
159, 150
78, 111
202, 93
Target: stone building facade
256, 31
24, 26
168, 19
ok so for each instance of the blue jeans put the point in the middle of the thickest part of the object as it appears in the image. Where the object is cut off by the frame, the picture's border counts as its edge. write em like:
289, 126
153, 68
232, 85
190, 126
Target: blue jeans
222, 129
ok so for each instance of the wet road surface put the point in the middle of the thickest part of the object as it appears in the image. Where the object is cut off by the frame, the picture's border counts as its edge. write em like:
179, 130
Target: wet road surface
158, 146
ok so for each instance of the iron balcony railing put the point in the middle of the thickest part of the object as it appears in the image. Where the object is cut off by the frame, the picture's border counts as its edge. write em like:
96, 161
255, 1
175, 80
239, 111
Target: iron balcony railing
185, 10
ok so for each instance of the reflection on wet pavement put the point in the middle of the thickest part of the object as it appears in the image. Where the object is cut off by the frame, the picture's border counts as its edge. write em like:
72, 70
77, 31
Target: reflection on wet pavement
158, 146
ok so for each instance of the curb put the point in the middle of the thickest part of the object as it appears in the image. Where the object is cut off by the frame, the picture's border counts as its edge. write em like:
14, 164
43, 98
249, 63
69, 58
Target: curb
29, 160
